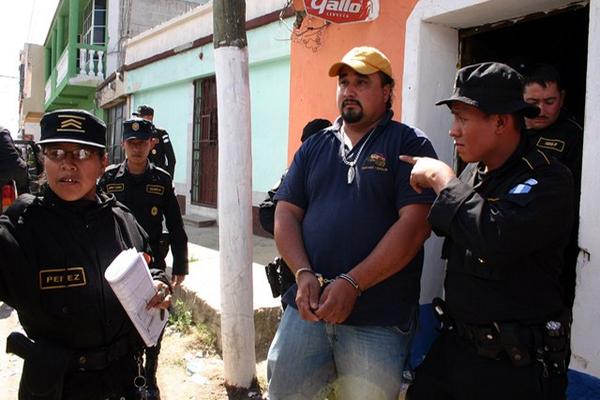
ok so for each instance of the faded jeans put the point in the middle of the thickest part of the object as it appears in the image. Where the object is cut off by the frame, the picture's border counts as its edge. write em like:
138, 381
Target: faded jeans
309, 359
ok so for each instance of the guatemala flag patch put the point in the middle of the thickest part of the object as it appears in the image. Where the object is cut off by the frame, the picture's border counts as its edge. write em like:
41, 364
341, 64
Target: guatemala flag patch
524, 187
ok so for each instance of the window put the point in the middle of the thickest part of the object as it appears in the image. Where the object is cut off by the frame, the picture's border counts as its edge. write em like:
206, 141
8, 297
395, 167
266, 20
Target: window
114, 132
94, 22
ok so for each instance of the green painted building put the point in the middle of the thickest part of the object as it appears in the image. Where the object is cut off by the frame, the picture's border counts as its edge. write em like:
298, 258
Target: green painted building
75, 54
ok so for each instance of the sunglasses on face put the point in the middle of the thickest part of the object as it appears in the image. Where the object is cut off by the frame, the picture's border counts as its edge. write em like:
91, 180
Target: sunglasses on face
76, 155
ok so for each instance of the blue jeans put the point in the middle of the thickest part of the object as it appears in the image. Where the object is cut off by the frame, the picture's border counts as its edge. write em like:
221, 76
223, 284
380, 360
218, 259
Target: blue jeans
309, 359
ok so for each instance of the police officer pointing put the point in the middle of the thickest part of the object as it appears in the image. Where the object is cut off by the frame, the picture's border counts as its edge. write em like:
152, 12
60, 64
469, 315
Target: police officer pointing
55, 249
148, 191
506, 221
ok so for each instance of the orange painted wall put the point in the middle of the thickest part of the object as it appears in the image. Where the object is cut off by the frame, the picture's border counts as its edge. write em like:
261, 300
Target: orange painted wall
312, 91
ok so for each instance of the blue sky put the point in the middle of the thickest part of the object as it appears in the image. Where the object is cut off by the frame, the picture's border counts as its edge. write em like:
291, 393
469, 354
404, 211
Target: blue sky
23, 21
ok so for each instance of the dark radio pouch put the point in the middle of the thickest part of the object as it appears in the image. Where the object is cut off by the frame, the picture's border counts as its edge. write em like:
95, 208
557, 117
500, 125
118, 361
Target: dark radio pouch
279, 276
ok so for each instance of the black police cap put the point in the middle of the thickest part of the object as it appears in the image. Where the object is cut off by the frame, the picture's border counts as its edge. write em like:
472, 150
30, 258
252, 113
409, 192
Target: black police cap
492, 87
143, 111
73, 126
137, 128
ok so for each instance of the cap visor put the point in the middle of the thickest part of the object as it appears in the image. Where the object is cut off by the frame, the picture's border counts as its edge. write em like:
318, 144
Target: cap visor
138, 137
461, 99
357, 66
515, 107
137, 114
59, 140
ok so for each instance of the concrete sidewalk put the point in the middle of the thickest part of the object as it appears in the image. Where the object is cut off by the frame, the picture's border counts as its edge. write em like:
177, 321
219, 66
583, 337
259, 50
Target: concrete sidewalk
201, 288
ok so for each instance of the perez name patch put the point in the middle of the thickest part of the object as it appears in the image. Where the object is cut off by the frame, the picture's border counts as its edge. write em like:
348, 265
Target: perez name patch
551, 144
155, 189
115, 187
62, 278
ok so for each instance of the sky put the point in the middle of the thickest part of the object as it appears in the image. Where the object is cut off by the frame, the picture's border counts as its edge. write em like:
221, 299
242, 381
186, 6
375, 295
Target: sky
22, 21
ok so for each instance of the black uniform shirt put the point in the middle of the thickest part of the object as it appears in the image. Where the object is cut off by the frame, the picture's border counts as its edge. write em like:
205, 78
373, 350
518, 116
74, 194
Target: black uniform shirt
54, 256
562, 140
162, 155
150, 196
506, 231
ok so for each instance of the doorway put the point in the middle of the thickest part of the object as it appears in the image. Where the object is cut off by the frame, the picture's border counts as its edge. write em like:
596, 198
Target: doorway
559, 38
205, 145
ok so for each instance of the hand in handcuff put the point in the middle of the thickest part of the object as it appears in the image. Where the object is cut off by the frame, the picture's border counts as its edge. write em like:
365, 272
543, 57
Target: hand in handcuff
337, 301
307, 296
314, 297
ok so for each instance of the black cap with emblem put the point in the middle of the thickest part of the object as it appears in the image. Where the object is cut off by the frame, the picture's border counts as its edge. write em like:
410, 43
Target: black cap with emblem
137, 128
73, 126
492, 87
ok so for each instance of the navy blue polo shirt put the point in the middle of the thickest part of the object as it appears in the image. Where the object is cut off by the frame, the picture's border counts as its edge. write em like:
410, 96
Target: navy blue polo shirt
344, 222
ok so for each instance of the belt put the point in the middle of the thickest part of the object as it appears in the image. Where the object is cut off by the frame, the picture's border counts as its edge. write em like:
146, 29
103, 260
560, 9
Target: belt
100, 359
515, 340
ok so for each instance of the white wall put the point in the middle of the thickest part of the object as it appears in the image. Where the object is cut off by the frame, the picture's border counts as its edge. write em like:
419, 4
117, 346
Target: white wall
586, 311
430, 63
128, 18
183, 30
113, 28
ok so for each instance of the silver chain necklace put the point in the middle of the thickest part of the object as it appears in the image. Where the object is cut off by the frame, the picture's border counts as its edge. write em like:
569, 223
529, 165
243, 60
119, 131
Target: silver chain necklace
352, 164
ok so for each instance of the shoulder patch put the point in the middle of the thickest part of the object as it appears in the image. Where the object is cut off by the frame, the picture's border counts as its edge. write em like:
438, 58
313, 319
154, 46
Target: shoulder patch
524, 187
535, 158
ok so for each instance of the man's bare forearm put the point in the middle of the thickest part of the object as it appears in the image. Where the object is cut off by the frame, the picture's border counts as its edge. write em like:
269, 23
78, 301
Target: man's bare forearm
288, 235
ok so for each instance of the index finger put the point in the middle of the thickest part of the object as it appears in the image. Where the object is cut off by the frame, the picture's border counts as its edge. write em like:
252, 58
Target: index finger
409, 159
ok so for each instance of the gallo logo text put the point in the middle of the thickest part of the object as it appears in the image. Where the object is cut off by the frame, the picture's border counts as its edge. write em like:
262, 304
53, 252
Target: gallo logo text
340, 11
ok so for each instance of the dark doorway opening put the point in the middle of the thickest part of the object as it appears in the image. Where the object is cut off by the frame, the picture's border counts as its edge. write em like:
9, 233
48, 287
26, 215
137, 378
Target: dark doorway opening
205, 144
559, 38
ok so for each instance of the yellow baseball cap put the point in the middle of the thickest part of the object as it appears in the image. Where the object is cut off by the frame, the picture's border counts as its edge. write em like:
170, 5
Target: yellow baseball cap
364, 60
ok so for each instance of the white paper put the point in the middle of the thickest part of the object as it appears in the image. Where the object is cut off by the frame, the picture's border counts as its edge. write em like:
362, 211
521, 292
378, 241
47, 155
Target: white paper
130, 279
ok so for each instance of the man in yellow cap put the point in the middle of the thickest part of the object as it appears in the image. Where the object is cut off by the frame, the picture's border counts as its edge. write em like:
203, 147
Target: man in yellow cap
351, 229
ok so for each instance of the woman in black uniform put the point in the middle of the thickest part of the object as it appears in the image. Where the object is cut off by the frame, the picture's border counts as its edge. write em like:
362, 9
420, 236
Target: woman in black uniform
54, 250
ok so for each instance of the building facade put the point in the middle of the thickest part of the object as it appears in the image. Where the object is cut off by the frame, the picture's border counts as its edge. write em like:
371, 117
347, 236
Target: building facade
31, 91
84, 44
171, 68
